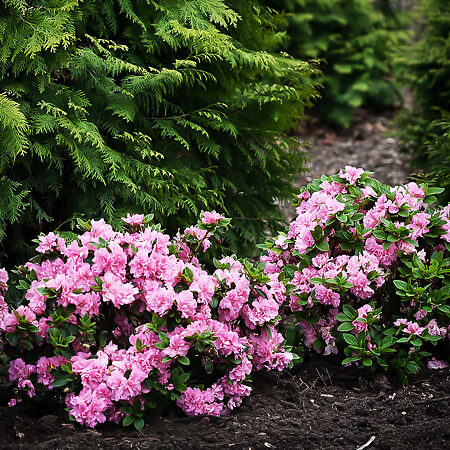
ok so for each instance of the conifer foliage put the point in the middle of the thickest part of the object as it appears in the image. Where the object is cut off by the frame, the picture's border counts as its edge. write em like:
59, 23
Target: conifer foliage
162, 107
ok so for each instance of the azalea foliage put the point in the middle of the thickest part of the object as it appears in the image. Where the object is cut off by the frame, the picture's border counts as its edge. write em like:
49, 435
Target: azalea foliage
367, 269
116, 324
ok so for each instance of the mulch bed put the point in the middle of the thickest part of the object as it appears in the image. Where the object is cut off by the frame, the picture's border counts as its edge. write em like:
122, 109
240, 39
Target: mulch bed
319, 404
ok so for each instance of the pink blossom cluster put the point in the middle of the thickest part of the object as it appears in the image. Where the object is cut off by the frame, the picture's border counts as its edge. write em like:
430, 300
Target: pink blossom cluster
351, 236
161, 311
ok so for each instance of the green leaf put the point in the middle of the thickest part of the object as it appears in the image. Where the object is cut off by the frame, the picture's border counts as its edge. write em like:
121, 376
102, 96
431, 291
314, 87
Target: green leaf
350, 339
349, 311
430, 199
127, 420
411, 367
209, 367
402, 285
184, 360
12, 338
139, 423
346, 326
343, 318
350, 359
343, 68
323, 246
60, 382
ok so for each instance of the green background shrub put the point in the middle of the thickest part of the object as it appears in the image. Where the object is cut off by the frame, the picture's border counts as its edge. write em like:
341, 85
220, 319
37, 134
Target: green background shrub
163, 107
424, 130
355, 38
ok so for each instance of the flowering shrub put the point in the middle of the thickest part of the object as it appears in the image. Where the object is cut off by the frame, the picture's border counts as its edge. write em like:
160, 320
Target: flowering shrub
367, 270
117, 323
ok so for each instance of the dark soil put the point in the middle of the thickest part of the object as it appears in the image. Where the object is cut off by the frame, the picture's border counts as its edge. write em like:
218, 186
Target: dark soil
318, 405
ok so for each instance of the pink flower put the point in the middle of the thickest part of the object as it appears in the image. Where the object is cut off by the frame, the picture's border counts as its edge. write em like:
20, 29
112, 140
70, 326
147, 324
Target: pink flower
117, 292
92, 371
194, 401
362, 314
437, 364
304, 240
361, 286
90, 405
419, 315
413, 328
351, 174
327, 296
135, 219
44, 367
177, 347
19, 371
385, 257
125, 388
28, 387
211, 217
332, 188
262, 310
368, 191
160, 300
434, 330
415, 190
419, 224
186, 304
400, 322
199, 235
320, 259
13, 402
3, 279
49, 242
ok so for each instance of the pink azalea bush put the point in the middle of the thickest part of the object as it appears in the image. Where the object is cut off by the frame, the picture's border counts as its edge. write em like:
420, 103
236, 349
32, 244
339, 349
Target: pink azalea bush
367, 271
118, 323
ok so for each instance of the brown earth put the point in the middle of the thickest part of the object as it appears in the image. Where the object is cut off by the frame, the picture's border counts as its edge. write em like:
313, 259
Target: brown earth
368, 144
317, 405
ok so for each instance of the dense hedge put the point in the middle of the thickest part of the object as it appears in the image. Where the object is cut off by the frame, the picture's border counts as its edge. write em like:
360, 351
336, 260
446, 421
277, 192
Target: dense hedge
355, 39
162, 107
424, 129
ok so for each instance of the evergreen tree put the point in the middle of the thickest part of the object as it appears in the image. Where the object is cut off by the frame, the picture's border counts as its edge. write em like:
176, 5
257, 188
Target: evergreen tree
147, 106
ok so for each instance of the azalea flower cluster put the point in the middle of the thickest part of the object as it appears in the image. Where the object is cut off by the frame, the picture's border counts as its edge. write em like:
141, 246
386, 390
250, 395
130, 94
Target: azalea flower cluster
354, 245
123, 320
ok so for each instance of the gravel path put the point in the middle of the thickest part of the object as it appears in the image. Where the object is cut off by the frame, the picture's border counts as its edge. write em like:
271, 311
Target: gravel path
367, 144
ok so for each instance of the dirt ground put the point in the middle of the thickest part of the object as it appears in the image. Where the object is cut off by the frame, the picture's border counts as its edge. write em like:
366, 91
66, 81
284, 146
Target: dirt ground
367, 144
317, 405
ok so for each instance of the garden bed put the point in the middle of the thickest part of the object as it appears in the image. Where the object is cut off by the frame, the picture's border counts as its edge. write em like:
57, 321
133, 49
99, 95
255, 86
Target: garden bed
317, 405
